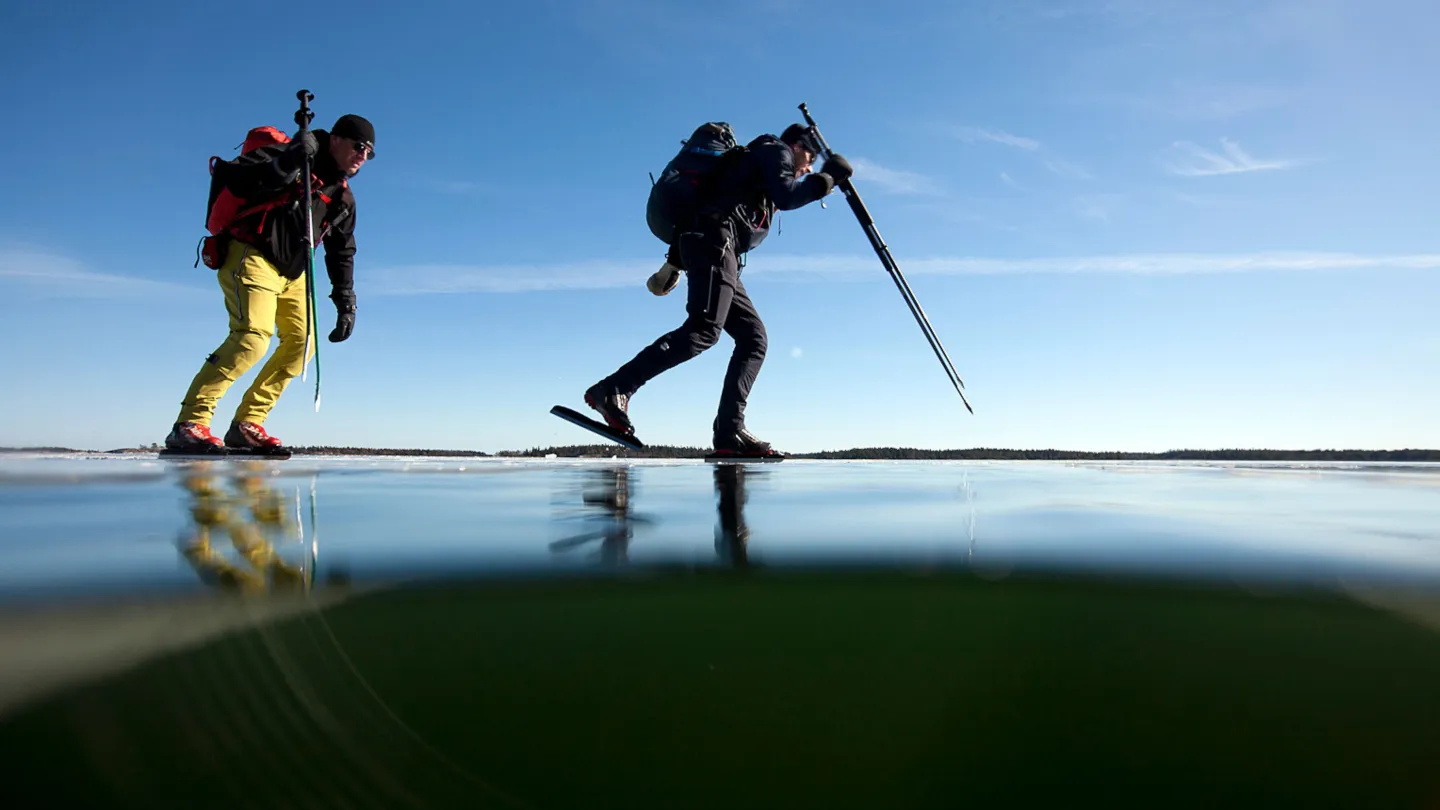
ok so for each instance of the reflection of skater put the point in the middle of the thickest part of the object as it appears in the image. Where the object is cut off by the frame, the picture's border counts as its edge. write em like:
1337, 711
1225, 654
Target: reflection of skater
732, 536
608, 501
254, 517
609, 497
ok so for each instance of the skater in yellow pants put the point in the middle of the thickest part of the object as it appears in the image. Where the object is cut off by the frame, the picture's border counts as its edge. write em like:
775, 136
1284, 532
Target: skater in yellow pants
261, 257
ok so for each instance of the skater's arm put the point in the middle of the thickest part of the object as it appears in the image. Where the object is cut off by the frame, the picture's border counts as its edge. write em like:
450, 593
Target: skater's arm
340, 247
339, 243
777, 169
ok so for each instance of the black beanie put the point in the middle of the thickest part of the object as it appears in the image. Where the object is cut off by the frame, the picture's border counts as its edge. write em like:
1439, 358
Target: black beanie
353, 126
798, 133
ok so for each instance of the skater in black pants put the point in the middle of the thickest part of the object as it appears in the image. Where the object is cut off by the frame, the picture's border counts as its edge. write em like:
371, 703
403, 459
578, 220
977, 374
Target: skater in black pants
771, 175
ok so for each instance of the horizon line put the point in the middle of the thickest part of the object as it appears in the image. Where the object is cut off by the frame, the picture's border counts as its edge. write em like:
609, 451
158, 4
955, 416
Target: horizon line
661, 447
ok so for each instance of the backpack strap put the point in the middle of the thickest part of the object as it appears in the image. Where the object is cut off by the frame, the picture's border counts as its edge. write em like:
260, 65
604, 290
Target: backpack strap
284, 198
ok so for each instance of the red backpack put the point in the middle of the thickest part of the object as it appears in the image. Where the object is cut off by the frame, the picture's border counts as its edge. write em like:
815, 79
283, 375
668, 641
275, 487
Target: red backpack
226, 212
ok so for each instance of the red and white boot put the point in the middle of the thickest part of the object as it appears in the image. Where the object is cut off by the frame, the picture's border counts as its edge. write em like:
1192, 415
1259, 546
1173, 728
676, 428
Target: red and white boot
193, 437
252, 436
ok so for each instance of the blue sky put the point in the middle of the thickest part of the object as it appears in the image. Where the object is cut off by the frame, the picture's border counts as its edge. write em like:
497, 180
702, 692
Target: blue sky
1135, 225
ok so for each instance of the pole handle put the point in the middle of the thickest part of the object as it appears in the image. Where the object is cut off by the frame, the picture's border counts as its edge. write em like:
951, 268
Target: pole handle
304, 115
815, 131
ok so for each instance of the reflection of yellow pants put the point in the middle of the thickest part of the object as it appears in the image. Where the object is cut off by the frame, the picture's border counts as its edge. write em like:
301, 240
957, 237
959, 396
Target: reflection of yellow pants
253, 535
261, 302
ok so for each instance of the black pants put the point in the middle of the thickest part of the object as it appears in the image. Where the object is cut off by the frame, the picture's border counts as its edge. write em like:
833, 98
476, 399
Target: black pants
715, 301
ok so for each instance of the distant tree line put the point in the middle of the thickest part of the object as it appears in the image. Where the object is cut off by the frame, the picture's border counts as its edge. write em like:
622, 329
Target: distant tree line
988, 453
327, 450
998, 454
607, 451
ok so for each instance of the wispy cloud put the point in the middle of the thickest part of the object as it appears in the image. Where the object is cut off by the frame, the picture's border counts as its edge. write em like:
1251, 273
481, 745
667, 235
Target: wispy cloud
1010, 181
51, 274
1193, 102
895, 181
441, 279
1154, 264
1064, 168
974, 134
1203, 200
967, 212
1096, 206
509, 278
1234, 161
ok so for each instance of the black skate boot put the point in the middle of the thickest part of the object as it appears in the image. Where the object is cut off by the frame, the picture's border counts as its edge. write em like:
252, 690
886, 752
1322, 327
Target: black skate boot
743, 445
612, 406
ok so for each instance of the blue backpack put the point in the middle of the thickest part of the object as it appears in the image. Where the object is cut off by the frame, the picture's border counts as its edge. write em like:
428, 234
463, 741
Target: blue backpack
688, 179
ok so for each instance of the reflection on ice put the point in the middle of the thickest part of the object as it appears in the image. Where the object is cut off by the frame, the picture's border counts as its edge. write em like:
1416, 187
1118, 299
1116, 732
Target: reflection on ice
76, 523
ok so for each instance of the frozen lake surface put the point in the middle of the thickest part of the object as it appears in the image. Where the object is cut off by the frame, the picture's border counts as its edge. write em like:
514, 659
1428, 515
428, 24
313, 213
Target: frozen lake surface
71, 524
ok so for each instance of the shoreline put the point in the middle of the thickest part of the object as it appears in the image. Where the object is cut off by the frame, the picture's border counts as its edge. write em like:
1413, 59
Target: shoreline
852, 454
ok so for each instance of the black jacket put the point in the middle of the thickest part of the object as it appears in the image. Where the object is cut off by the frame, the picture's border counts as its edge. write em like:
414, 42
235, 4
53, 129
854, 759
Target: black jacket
272, 171
749, 192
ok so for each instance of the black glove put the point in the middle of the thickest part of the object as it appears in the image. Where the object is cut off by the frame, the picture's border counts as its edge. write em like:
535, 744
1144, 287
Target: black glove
825, 180
289, 163
305, 145
838, 168
345, 322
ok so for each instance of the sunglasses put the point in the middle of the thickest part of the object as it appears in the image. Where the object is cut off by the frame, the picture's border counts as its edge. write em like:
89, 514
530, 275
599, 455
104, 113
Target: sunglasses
363, 147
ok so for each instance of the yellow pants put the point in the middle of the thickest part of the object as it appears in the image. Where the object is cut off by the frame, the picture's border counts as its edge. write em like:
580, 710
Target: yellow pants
261, 302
